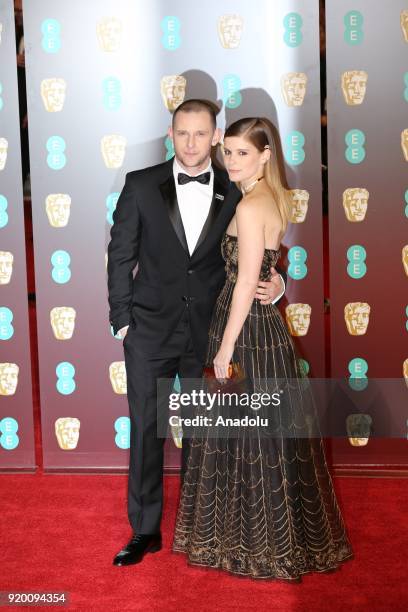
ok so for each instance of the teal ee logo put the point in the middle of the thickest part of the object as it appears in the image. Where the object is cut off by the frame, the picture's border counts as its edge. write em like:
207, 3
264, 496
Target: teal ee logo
353, 24
113, 334
355, 151
56, 158
65, 378
405, 90
6, 328
356, 255
294, 152
171, 33
292, 22
51, 30
1, 99
122, 428
168, 143
111, 202
358, 368
3, 211
112, 97
60, 261
231, 85
303, 367
8, 433
406, 204
297, 267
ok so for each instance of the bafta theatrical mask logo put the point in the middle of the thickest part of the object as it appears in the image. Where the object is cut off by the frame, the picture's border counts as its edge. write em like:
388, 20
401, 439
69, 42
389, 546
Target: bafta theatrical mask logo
357, 317
67, 432
404, 24
53, 94
355, 203
358, 429
354, 86
58, 208
299, 205
293, 85
109, 33
173, 90
3, 153
405, 371
404, 144
113, 147
177, 433
8, 378
6, 267
230, 30
117, 375
298, 318
62, 320
405, 258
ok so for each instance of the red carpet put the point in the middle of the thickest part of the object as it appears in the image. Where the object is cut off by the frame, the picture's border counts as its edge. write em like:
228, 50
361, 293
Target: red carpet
60, 532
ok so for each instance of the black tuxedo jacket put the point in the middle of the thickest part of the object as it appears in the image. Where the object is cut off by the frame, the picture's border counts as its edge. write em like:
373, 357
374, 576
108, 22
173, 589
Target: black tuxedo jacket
148, 232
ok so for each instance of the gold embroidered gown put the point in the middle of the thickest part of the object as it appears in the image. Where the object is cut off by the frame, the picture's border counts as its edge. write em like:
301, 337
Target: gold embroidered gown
259, 505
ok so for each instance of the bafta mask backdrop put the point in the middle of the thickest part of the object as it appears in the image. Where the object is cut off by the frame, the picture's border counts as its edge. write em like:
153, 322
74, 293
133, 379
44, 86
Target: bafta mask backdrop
354, 86
298, 318
63, 322
109, 32
117, 375
58, 208
355, 203
53, 93
293, 86
113, 149
6, 267
357, 317
3, 153
230, 30
173, 90
300, 203
8, 378
359, 429
67, 432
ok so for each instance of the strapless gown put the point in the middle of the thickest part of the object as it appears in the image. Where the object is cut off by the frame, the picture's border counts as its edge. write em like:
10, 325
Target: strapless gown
259, 506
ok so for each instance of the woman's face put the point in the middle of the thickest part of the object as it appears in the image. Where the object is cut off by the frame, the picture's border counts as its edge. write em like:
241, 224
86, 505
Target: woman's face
242, 159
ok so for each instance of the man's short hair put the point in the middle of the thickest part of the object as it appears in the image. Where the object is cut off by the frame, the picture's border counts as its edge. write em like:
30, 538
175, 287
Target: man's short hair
197, 106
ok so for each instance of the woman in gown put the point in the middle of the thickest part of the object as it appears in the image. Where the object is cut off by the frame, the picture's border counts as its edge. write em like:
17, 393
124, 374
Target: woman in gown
257, 505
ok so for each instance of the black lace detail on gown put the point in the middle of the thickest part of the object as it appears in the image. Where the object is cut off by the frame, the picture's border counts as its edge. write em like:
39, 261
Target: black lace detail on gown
258, 506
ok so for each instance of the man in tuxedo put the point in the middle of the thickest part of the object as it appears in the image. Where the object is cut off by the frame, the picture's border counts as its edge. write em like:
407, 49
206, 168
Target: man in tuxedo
169, 221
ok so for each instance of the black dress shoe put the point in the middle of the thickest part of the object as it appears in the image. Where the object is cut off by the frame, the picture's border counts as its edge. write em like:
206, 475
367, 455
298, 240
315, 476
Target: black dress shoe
137, 547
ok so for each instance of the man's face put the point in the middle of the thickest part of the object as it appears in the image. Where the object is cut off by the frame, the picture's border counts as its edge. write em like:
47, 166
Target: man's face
193, 135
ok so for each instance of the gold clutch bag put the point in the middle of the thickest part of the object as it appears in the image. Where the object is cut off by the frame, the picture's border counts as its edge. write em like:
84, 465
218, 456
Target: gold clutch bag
235, 383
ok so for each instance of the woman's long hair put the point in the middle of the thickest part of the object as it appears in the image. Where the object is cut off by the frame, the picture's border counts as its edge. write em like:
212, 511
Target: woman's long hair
258, 133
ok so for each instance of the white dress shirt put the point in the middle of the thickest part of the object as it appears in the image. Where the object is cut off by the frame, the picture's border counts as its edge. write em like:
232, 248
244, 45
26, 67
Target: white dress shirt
194, 201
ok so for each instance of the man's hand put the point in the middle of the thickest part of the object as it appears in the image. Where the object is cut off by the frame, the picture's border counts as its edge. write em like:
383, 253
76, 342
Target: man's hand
123, 331
269, 292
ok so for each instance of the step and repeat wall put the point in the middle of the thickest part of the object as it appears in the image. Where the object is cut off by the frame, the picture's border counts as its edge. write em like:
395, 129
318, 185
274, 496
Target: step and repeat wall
16, 405
367, 111
104, 77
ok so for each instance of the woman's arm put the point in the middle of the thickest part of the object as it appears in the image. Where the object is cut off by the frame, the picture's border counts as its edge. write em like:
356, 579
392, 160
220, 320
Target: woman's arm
251, 246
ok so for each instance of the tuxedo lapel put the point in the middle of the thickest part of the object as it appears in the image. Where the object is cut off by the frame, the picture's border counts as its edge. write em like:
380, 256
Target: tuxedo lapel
219, 195
169, 194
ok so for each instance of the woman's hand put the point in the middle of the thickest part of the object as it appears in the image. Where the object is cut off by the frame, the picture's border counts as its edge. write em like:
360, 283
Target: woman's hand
222, 361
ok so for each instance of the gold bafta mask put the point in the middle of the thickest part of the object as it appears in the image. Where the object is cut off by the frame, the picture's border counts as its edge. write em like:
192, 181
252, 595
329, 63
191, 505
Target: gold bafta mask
1, 31
299, 205
58, 208
117, 375
109, 33
53, 94
113, 147
6, 267
404, 24
404, 144
355, 203
173, 90
358, 429
8, 378
177, 434
354, 86
230, 30
405, 258
298, 318
293, 86
405, 371
67, 432
357, 317
63, 322
3, 153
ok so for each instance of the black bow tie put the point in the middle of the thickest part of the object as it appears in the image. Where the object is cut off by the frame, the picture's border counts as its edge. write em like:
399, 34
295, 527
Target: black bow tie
183, 179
